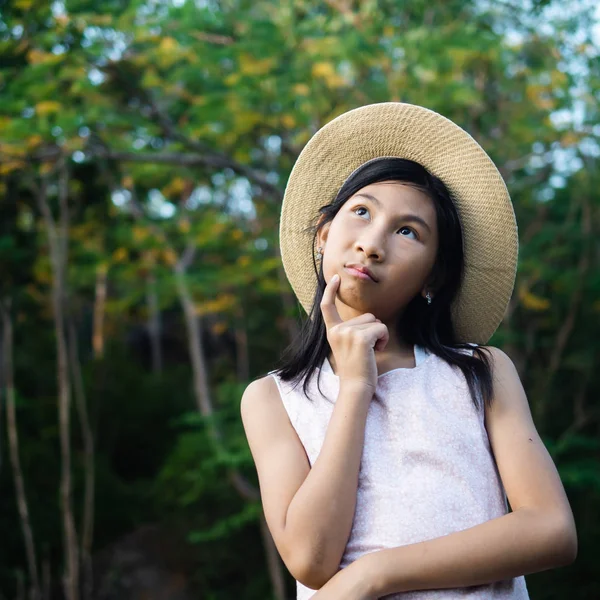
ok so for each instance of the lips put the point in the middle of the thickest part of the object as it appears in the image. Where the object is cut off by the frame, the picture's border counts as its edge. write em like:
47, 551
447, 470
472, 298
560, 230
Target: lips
362, 269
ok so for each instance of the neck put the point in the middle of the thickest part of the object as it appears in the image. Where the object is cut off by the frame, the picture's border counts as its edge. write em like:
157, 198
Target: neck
396, 349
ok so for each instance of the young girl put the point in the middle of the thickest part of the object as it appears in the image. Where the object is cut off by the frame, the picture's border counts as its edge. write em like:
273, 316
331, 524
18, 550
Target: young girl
391, 440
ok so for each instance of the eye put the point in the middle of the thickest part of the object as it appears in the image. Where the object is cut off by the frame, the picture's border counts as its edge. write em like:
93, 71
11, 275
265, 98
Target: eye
408, 229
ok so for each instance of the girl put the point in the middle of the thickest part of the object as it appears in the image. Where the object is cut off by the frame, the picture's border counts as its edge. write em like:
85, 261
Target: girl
389, 471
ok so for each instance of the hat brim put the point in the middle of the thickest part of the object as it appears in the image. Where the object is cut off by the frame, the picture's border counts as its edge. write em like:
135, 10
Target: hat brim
490, 234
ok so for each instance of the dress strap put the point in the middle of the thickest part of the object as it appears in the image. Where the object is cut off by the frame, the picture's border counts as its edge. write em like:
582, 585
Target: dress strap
420, 355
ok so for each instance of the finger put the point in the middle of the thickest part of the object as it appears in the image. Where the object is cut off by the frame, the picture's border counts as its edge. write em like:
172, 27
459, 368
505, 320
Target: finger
382, 338
361, 321
365, 318
331, 316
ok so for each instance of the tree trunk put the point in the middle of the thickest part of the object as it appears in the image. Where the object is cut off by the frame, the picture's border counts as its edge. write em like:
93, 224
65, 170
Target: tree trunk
205, 407
46, 579
202, 394
57, 241
99, 310
87, 521
566, 328
20, 586
274, 562
13, 447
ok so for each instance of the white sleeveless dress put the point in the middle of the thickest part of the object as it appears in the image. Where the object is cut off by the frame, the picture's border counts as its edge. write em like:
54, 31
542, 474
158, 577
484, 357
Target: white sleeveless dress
427, 468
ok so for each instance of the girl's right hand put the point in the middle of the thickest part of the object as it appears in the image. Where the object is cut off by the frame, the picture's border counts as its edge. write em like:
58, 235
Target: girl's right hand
353, 342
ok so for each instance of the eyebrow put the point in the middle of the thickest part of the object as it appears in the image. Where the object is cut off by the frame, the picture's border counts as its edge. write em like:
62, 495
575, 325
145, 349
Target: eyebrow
406, 217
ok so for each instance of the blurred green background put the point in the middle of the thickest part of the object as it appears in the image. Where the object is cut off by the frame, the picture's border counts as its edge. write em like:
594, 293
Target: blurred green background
144, 149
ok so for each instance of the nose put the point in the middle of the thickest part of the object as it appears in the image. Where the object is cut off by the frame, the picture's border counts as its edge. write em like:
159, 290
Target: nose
370, 246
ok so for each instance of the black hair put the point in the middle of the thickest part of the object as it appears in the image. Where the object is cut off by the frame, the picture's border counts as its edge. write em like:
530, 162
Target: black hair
429, 326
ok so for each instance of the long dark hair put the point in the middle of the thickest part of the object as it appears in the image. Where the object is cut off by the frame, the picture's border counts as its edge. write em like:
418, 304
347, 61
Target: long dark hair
429, 326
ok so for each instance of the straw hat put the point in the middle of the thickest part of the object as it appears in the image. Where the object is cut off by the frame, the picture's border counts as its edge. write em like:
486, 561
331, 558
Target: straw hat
396, 129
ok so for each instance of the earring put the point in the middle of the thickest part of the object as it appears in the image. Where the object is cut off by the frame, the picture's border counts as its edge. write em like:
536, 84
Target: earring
319, 252
428, 296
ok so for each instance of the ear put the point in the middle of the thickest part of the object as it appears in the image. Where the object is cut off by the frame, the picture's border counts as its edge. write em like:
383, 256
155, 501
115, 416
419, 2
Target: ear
429, 286
323, 232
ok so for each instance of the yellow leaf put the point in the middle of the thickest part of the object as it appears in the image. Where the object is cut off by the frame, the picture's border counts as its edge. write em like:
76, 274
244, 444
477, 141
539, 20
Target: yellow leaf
169, 52
232, 79
74, 143
168, 44
139, 233
174, 187
46, 107
37, 57
184, 226
12, 150
252, 66
34, 141
220, 304
8, 167
243, 261
326, 71
288, 121
532, 302
301, 89
100, 19
323, 69
170, 257
120, 254
301, 137
237, 234
219, 328
569, 139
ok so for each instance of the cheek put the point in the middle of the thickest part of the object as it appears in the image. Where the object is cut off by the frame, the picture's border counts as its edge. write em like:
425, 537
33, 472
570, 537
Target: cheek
412, 273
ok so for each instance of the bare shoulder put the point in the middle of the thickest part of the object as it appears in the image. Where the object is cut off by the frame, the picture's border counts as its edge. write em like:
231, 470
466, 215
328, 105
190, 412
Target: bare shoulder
258, 395
496, 353
265, 419
262, 409
508, 389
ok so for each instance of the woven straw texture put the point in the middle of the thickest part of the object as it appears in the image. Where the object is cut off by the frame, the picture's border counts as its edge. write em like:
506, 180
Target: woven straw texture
408, 131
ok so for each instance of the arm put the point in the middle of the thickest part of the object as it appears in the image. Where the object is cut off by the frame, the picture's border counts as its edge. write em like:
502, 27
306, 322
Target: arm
309, 511
538, 535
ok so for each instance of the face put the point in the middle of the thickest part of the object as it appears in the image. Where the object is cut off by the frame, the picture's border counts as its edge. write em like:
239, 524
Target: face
391, 228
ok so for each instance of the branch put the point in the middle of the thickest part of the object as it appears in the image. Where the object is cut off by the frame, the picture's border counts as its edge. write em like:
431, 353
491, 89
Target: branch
582, 268
213, 38
581, 417
187, 257
171, 132
174, 158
